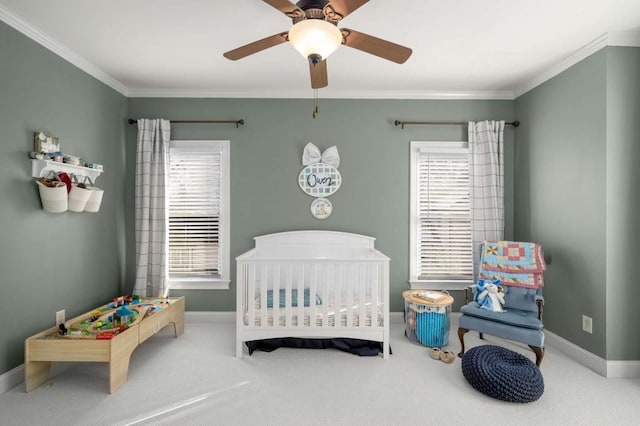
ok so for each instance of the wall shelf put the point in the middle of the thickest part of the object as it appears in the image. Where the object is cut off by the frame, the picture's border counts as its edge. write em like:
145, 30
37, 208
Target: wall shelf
41, 168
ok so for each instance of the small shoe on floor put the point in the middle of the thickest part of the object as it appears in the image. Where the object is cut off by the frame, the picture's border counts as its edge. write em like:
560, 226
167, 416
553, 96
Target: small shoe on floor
435, 353
447, 356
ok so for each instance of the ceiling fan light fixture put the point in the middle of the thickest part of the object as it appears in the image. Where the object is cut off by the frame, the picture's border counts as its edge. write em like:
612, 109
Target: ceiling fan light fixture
315, 38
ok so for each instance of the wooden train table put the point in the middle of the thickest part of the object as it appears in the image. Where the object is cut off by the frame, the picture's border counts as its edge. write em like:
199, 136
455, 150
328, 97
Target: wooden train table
109, 334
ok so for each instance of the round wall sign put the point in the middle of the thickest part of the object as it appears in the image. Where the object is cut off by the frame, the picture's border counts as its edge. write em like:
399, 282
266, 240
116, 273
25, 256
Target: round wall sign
319, 180
321, 208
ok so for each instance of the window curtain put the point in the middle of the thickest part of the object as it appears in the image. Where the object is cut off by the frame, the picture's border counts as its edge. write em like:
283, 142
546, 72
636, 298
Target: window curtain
152, 160
486, 175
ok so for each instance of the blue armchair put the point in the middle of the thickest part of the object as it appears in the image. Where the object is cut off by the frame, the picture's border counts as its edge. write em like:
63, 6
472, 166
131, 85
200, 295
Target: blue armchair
521, 321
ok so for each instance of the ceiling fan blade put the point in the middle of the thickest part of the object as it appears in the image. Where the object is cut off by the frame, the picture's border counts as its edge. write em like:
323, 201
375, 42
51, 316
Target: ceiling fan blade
286, 7
342, 8
318, 74
375, 46
256, 46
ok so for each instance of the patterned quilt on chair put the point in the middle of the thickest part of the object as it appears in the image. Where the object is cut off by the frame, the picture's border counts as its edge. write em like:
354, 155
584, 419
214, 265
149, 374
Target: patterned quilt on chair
519, 264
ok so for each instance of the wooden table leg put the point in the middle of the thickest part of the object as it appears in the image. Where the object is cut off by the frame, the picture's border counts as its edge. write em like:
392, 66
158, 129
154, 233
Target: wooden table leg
121, 350
177, 316
35, 374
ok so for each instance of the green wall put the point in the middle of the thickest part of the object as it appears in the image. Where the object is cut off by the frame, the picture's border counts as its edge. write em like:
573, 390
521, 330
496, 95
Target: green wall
576, 193
623, 202
50, 262
266, 157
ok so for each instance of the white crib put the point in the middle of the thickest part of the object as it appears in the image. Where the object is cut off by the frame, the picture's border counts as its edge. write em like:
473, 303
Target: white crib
312, 284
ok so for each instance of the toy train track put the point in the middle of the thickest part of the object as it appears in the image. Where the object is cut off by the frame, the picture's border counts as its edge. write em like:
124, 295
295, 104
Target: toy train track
106, 323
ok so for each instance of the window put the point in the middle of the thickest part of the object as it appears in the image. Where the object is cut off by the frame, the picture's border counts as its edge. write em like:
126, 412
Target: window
198, 203
440, 234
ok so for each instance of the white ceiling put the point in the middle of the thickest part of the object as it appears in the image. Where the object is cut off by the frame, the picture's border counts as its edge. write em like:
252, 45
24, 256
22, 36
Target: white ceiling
492, 49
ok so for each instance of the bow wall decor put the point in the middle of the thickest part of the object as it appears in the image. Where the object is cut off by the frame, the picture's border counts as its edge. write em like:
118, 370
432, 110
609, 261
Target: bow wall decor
320, 177
311, 155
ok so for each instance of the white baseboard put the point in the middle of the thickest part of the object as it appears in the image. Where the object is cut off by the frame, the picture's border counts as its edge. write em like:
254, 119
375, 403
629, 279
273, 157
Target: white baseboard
11, 378
575, 352
609, 369
623, 369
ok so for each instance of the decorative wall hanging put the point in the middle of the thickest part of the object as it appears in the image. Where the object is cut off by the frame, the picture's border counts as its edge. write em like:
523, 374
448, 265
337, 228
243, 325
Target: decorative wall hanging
43, 143
320, 178
321, 208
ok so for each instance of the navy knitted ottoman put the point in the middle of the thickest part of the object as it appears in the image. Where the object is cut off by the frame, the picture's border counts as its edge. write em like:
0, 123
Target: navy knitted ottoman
502, 374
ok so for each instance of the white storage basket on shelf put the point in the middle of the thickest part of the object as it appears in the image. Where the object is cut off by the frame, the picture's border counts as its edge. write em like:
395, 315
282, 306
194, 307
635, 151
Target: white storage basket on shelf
78, 198
95, 199
54, 198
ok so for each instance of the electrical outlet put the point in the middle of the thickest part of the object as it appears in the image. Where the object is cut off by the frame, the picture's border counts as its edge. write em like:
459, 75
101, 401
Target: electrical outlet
587, 324
60, 317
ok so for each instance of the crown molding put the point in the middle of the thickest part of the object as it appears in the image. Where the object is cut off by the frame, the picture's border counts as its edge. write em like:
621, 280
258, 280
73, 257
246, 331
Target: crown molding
567, 63
624, 39
45, 40
327, 93
620, 38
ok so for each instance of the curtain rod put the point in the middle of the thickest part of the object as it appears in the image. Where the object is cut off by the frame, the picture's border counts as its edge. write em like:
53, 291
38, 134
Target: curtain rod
444, 123
238, 123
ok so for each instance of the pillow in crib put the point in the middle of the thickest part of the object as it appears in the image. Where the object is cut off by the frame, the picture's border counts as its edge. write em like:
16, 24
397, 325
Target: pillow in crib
294, 298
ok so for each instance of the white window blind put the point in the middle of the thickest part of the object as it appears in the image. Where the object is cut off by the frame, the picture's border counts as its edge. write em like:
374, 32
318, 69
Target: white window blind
442, 224
196, 211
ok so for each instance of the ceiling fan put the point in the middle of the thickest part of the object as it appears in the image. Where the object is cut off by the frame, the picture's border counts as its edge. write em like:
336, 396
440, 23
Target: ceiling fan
315, 35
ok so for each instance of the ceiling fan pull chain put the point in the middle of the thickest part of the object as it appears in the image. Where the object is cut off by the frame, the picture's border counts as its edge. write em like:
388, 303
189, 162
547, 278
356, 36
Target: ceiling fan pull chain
315, 103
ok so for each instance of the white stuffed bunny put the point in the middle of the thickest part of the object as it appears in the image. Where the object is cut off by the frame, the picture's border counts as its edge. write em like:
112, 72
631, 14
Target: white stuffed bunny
490, 295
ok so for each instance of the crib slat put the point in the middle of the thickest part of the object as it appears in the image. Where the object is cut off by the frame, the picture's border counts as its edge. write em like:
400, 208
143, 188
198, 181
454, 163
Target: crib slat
251, 291
326, 291
287, 297
363, 283
341, 269
350, 283
313, 288
263, 295
375, 298
300, 295
276, 294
